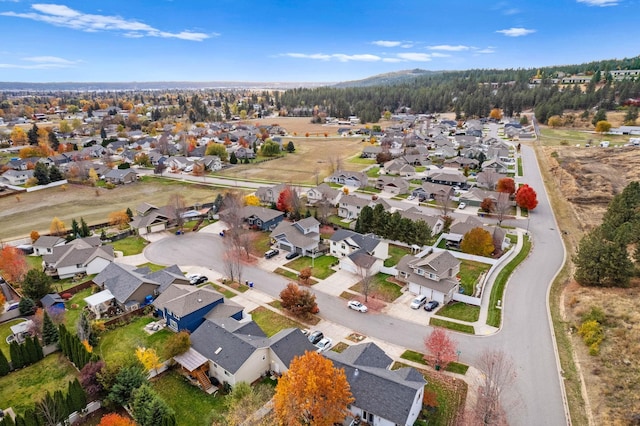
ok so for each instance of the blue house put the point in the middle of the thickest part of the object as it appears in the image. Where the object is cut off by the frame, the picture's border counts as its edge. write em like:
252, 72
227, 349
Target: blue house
261, 218
186, 307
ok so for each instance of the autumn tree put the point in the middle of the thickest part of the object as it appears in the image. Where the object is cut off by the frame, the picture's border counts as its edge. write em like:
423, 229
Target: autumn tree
313, 392
36, 284
502, 206
34, 235
555, 121
115, 419
57, 227
526, 197
177, 344
119, 219
18, 136
496, 114
300, 302
477, 241
304, 275
13, 264
148, 358
441, 348
487, 205
289, 202
251, 200
507, 185
89, 378
603, 126
217, 149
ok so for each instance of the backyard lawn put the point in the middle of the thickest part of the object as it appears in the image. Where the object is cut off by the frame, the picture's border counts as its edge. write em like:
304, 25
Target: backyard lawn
395, 254
470, 271
5, 330
71, 314
321, 265
121, 342
271, 322
192, 405
22, 388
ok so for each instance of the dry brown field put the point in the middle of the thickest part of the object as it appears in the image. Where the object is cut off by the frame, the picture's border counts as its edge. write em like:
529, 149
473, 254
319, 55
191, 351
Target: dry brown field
35, 210
587, 179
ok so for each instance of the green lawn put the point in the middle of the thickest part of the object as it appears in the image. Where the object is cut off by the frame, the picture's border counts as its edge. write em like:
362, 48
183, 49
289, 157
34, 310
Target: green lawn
152, 266
520, 167
470, 271
358, 160
71, 314
463, 328
460, 311
130, 245
334, 219
261, 242
21, 389
34, 262
5, 331
413, 356
373, 172
321, 265
271, 322
395, 254
458, 368
384, 290
121, 342
225, 292
192, 406
497, 292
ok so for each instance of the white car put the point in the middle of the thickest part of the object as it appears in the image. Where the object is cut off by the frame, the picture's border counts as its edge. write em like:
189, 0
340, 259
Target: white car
462, 206
411, 197
420, 300
324, 344
357, 306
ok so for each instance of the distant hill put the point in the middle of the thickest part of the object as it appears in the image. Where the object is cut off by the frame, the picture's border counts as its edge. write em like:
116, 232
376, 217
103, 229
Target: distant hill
152, 85
387, 78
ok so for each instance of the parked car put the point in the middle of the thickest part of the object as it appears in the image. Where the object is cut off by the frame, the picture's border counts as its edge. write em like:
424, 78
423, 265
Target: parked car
462, 205
324, 344
357, 306
431, 305
292, 255
420, 300
411, 197
200, 280
270, 253
316, 336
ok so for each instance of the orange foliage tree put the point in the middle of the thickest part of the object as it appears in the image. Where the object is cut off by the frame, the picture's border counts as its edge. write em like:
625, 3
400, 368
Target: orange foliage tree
312, 391
507, 185
13, 264
119, 219
478, 242
526, 197
114, 419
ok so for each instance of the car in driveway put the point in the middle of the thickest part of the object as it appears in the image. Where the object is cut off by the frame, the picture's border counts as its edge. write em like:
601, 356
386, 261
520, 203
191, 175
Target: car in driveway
195, 279
271, 253
324, 344
431, 305
411, 197
292, 255
316, 336
462, 205
357, 306
419, 300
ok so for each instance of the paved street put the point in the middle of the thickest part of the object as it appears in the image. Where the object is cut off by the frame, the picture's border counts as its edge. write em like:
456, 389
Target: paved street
525, 335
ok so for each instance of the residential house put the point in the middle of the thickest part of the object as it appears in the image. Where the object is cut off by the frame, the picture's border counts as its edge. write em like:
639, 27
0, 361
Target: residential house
260, 218
431, 191
382, 396
353, 179
475, 196
371, 151
443, 152
324, 192
451, 178
392, 185
358, 253
433, 274
242, 153
488, 179
301, 237
17, 177
435, 222
121, 176
350, 206
52, 301
459, 229
399, 167
184, 307
151, 219
80, 256
270, 194
495, 165
461, 163
240, 351
211, 162
45, 244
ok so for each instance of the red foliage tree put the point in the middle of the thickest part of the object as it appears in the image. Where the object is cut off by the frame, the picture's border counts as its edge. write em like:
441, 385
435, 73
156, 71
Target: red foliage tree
507, 185
526, 197
441, 348
114, 419
487, 205
13, 264
299, 302
284, 199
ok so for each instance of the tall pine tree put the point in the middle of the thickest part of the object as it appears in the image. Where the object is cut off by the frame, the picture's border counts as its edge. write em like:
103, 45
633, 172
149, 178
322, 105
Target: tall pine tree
4, 364
50, 333
15, 353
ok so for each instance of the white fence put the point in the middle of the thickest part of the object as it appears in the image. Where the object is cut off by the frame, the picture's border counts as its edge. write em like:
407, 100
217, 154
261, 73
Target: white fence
51, 185
90, 408
476, 301
389, 271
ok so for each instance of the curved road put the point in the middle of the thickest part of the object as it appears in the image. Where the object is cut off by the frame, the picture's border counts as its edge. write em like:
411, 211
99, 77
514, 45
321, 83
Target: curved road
536, 398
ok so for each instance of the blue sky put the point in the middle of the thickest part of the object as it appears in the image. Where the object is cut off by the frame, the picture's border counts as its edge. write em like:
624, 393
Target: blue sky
302, 41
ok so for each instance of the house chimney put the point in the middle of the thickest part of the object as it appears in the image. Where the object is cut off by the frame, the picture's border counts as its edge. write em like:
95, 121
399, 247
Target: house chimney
356, 372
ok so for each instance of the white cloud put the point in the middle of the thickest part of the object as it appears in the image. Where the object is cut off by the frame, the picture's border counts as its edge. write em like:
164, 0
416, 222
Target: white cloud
516, 32
48, 60
449, 48
415, 57
509, 12
600, 3
386, 43
336, 56
63, 16
487, 50
440, 55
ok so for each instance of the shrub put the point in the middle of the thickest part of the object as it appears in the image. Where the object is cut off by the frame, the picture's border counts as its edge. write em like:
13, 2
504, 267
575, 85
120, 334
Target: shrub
592, 334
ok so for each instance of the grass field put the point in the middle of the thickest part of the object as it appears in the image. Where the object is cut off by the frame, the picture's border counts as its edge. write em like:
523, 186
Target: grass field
121, 342
460, 311
382, 289
79, 201
572, 137
271, 322
22, 388
130, 245
321, 266
5, 331
470, 271
463, 328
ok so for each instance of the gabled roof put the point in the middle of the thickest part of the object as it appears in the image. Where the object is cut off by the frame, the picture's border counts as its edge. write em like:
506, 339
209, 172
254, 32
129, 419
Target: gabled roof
51, 299
289, 343
366, 354
366, 242
167, 276
353, 200
123, 280
47, 241
80, 251
293, 234
389, 394
409, 262
186, 299
437, 262
262, 213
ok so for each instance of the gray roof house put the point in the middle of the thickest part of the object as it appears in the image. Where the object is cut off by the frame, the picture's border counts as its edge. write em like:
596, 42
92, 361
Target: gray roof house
301, 237
45, 244
270, 194
150, 218
239, 351
350, 206
80, 256
324, 192
392, 185
429, 190
358, 252
118, 176
399, 167
343, 177
261, 217
381, 396
431, 273
17, 177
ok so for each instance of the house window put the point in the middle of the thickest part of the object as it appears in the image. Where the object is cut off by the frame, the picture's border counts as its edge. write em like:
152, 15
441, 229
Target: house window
433, 276
226, 373
420, 271
343, 246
